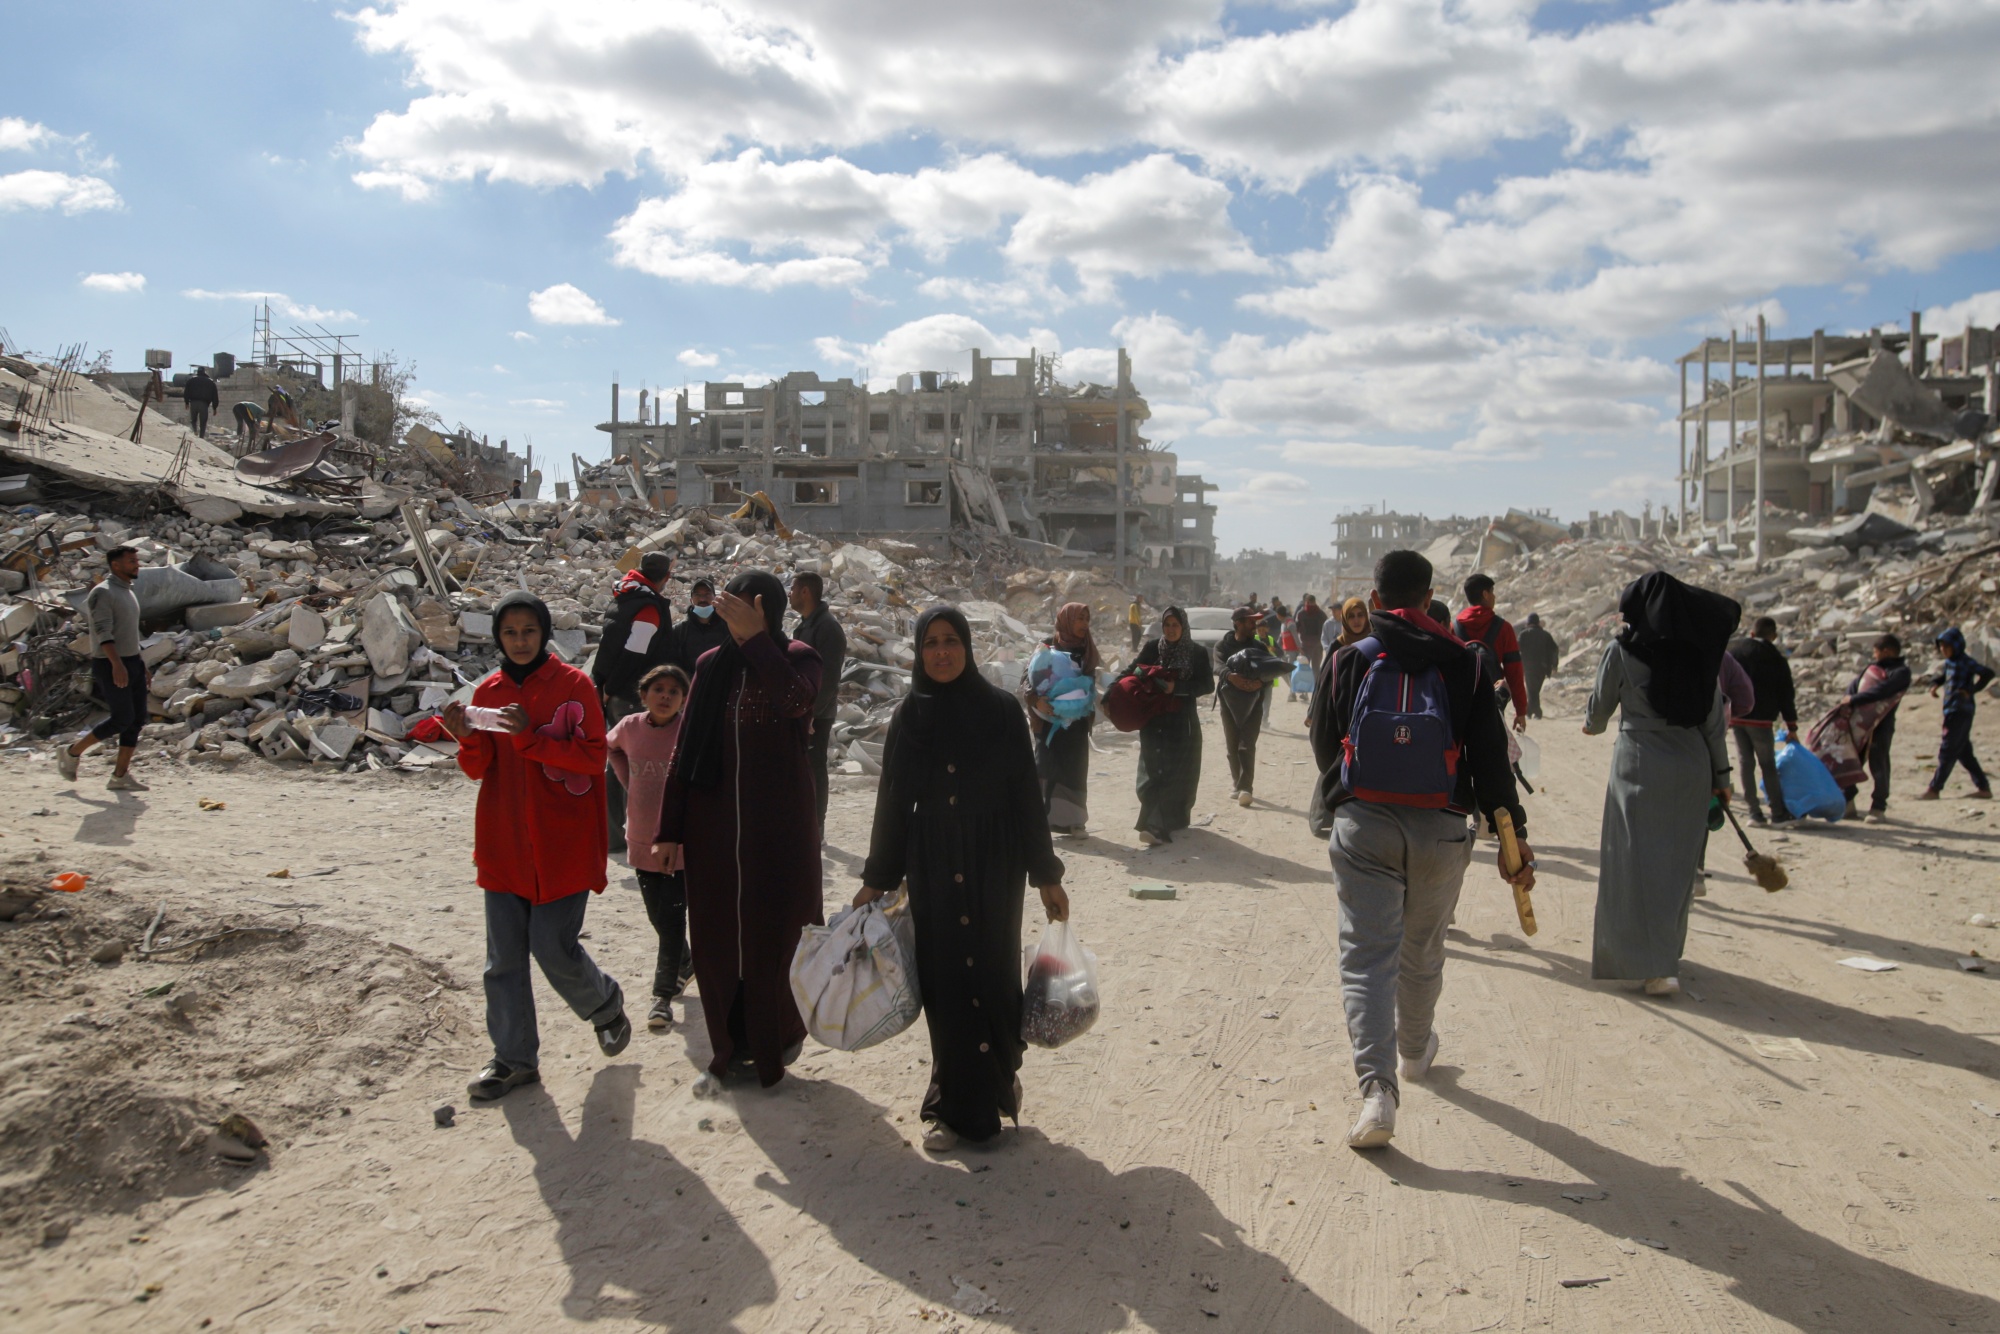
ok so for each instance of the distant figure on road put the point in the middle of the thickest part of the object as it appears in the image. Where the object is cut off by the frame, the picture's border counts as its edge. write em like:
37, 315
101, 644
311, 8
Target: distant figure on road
1541, 655
1309, 620
1771, 676
1960, 676
818, 628
1170, 744
1478, 626
202, 397
638, 636
118, 669
1872, 698
1135, 620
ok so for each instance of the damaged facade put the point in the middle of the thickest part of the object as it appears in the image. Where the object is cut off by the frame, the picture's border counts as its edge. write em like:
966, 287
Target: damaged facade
1011, 452
1777, 433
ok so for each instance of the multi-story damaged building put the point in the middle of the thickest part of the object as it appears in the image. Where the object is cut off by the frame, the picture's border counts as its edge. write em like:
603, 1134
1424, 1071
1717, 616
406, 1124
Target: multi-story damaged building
1011, 451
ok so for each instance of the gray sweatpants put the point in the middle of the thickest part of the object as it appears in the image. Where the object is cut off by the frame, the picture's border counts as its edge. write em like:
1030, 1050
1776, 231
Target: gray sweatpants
1398, 870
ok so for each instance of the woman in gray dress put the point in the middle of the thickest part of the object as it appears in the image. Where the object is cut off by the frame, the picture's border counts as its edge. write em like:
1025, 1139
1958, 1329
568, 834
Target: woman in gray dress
1659, 674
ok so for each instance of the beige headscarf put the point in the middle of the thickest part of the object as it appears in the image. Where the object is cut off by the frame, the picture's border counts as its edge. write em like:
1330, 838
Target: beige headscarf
1348, 636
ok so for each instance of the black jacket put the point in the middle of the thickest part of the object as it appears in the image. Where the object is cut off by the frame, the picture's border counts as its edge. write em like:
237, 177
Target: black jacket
1540, 654
695, 636
1485, 775
829, 641
1771, 673
201, 389
1226, 648
617, 671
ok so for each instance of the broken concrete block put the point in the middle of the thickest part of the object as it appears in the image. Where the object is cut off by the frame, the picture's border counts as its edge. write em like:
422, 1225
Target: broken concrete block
335, 740
217, 615
569, 643
12, 581
384, 723
16, 618
257, 678
213, 509
307, 629
476, 625
164, 685
388, 635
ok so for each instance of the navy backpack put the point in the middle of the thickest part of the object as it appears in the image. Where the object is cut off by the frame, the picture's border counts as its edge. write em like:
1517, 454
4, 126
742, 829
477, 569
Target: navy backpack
1399, 748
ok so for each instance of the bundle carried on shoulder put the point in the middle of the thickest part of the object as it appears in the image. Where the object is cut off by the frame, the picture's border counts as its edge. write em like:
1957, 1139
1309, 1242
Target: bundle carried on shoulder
855, 979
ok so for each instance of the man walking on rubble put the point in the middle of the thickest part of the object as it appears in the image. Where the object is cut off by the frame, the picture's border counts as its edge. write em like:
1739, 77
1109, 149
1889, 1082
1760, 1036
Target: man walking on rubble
112, 612
638, 636
202, 397
1407, 733
1540, 656
818, 630
1771, 675
1487, 633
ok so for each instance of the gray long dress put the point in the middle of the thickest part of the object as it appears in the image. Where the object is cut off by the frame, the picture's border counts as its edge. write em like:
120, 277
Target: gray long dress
1655, 822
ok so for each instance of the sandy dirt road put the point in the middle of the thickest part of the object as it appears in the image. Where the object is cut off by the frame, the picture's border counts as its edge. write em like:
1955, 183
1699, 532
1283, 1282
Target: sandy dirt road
1790, 1144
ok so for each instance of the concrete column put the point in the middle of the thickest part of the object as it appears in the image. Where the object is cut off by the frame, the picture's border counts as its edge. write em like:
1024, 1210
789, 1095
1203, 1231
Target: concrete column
1917, 343
614, 413
1729, 445
1683, 487
1701, 429
1757, 540
1118, 471
347, 408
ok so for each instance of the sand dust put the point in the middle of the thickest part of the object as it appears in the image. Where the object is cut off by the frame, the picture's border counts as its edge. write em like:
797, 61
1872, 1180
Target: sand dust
1789, 1144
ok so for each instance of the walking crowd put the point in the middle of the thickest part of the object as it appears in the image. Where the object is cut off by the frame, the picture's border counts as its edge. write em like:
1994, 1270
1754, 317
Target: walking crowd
699, 751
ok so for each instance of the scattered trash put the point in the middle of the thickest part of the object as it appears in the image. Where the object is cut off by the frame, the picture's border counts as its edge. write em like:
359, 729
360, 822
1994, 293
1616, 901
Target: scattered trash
443, 1114
1780, 1049
211, 804
1581, 1198
1867, 965
970, 1300
1648, 1241
69, 882
1983, 919
1972, 964
1153, 889
1986, 1107
282, 873
1583, 1282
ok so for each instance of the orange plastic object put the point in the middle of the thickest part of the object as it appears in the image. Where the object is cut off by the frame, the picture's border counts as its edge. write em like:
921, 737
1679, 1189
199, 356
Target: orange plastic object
69, 882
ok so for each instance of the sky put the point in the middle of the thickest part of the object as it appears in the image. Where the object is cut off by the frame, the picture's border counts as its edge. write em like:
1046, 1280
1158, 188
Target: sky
1434, 254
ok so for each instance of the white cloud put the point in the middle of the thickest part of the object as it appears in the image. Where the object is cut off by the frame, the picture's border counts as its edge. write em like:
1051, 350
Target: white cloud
1981, 308
566, 303
21, 136
55, 189
280, 305
411, 186
698, 359
1635, 489
536, 404
933, 343
523, 336
115, 282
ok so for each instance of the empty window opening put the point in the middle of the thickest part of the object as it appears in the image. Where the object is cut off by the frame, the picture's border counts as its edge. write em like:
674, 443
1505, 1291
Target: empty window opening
812, 444
815, 493
1006, 421
933, 421
878, 421
923, 493
999, 367
732, 398
812, 398
722, 491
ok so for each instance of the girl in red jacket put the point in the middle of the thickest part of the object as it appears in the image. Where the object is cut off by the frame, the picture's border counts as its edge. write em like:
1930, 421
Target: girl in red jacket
534, 742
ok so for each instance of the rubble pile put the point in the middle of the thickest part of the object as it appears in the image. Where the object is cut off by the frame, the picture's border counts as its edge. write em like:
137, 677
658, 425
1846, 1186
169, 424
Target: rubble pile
329, 643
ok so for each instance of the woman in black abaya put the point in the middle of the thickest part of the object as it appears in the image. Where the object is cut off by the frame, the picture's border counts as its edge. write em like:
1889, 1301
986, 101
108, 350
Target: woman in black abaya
1170, 744
959, 814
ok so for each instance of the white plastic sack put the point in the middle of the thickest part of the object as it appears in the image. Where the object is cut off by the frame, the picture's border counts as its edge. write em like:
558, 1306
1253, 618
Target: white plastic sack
1059, 1001
855, 979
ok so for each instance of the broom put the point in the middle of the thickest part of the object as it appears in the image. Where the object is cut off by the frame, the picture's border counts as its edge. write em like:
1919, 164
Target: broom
1765, 870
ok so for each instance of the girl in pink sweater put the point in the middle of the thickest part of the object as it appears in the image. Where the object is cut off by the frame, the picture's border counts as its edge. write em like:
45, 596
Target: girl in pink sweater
642, 753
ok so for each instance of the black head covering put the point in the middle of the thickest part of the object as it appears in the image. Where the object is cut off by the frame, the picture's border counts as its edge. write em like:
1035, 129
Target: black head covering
519, 672
1179, 656
698, 755
940, 715
1681, 633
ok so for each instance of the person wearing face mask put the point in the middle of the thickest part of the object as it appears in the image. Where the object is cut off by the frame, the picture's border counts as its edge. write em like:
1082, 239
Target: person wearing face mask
959, 815
738, 808
700, 630
533, 739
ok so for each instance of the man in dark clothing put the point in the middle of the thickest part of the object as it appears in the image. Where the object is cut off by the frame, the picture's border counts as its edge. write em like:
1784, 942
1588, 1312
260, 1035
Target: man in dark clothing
202, 397
1540, 656
701, 630
818, 629
1771, 674
1398, 867
1310, 619
1240, 701
638, 636
118, 668
1891, 682
1478, 625
1960, 676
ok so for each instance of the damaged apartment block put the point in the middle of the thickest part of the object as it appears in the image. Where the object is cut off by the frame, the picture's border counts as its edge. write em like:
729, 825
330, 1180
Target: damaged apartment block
1012, 453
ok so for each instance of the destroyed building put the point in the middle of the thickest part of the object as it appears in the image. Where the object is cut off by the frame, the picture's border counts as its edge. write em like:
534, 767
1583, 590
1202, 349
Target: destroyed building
1776, 432
1011, 452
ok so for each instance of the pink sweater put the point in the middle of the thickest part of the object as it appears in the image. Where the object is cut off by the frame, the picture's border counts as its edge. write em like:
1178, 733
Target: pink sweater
640, 756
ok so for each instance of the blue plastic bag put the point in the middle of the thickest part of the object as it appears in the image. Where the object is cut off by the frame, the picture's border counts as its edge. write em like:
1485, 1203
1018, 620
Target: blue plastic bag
1808, 783
1302, 678
1071, 693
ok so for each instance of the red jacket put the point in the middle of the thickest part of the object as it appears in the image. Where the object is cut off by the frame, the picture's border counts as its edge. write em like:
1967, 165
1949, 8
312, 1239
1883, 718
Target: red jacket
1479, 625
533, 836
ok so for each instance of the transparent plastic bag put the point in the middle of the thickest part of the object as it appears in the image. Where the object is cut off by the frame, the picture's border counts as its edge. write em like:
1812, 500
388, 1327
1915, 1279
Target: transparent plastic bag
1059, 1001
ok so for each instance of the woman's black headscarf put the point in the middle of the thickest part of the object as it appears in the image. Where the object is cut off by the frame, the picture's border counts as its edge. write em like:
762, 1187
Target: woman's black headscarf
698, 756
519, 672
967, 708
1179, 656
1681, 632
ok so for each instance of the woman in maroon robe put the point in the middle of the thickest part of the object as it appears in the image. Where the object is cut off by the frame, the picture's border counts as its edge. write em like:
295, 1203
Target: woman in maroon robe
739, 802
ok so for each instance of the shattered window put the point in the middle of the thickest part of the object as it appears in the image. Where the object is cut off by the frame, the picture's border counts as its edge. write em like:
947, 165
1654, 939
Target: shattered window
923, 493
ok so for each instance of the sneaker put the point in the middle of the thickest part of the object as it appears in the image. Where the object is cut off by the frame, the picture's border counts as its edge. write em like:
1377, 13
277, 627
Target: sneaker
940, 1139
708, 1086
126, 783
1416, 1068
66, 762
1663, 986
1875, 817
613, 1037
1928, 794
1787, 821
499, 1079
1757, 818
1982, 794
1377, 1125
1149, 839
687, 971
661, 1017
1242, 798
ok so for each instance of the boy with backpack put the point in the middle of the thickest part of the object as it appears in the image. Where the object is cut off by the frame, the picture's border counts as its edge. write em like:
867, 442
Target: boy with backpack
1409, 741
1494, 639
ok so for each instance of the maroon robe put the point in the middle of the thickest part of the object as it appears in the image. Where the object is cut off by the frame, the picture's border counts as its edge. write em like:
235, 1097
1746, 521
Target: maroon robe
753, 862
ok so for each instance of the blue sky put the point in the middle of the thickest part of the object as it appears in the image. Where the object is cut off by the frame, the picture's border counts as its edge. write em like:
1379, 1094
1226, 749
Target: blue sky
1438, 254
